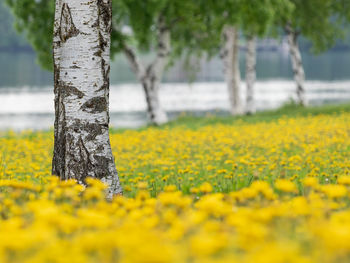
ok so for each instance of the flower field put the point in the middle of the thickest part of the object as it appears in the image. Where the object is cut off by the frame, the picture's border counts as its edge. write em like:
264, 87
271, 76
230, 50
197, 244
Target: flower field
276, 191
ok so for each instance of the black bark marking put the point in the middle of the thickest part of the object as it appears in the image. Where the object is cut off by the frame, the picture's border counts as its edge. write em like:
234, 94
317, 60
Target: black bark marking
58, 163
102, 43
56, 125
93, 129
68, 90
95, 105
102, 166
105, 13
67, 28
148, 94
84, 166
104, 87
98, 53
100, 148
104, 23
59, 156
105, 70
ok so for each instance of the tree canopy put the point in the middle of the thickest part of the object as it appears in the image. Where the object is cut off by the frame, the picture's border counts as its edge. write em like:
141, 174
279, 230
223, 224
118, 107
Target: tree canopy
194, 25
134, 23
35, 20
320, 21
252, 17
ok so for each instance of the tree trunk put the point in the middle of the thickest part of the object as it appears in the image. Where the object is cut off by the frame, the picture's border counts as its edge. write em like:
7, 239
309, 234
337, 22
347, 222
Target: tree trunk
297, 64
230, 56
155, 112
81, 68
250, 74
151, 77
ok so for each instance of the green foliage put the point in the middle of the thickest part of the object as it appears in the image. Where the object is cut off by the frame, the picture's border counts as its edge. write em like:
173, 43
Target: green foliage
257, 17
253, 17
134, 23
181, 17
35, 19
320, 21
195, 25
9, 39
262, 17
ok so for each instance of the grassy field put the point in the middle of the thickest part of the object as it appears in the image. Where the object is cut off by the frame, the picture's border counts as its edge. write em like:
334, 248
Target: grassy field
272, 187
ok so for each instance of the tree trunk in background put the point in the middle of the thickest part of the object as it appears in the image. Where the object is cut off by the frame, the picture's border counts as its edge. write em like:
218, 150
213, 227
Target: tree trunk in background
151, 77
81, 68
230, 56
156, 114
297, 64
250, 74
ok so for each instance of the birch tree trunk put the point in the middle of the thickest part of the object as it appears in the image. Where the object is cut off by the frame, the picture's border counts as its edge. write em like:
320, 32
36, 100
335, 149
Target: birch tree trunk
151, 76
151, 84
297, 64
81, 73
250, 74
230, 56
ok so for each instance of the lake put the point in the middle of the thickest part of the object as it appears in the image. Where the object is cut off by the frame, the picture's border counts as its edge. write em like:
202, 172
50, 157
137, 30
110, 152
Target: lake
26, 92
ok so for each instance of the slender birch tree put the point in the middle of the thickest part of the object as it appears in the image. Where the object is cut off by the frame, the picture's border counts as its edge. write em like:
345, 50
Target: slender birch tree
320, 22
158, 26
297, 64
142, 19
230, 57
258, 19
250, 74
228, 15
81, 48
252, 18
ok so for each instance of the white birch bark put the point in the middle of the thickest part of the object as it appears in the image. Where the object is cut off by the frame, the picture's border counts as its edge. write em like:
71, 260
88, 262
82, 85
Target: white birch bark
81, 58
250, 74
297, 64
151, 76
230, 56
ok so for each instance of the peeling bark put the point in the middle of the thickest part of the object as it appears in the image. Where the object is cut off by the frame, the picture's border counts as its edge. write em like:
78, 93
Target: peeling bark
230, 56
297, 64
250, 76
81, 70
151, 76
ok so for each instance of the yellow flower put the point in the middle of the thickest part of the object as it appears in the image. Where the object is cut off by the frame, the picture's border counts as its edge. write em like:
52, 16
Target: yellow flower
142, 185
310, 182
96, 183
334, 191
285, 186
170, 188
345, 180
194, 190
206, 244
205, 188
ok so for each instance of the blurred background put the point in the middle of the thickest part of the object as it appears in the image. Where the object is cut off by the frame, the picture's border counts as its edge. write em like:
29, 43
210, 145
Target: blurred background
26, 90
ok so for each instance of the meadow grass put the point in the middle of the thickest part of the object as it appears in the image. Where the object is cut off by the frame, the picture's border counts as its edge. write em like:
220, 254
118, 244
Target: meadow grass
227, 152
272, 187
287, 110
